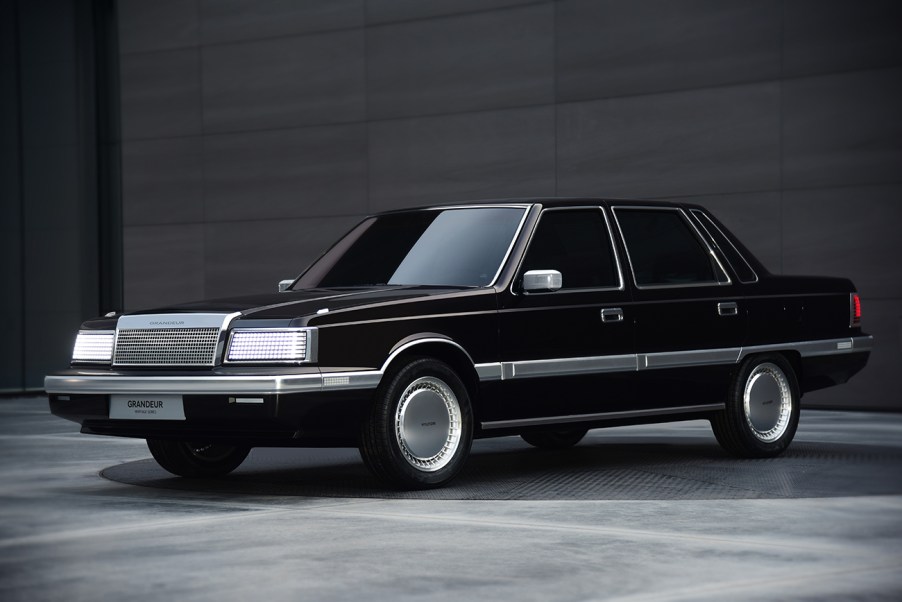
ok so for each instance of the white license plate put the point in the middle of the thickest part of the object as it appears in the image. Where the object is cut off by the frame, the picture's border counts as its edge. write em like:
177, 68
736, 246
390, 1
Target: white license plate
147, 407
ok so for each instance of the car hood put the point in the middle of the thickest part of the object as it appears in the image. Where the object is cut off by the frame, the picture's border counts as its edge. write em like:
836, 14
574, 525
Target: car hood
308, 302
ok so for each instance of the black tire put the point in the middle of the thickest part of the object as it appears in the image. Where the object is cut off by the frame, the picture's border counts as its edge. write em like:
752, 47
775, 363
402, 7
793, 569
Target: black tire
762, 412
420, 429
558, 439
197, 460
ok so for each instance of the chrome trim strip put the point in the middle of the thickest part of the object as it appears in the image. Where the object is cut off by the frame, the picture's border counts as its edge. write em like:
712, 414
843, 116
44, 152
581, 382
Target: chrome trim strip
500, 424
398, 350
569, 366
815, 348
489, 372
185, 385
186, 320
675, 359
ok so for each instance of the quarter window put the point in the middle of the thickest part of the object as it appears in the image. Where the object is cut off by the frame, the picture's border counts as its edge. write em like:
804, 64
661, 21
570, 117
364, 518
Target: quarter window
577, 244
664, 250
729, 250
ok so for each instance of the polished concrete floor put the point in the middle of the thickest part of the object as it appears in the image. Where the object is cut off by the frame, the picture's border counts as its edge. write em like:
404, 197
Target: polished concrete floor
636, 513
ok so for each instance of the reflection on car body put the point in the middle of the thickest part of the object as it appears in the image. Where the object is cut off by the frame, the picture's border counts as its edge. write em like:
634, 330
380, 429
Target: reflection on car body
422, 329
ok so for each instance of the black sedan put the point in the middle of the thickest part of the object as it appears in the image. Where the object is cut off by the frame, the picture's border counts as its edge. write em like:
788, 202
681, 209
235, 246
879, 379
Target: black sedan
422, 329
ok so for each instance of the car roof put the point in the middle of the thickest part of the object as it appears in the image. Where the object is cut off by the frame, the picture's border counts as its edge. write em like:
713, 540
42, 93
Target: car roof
548, 202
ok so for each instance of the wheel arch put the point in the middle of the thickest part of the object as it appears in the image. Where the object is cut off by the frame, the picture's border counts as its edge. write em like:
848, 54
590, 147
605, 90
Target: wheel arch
442, 348
792, 357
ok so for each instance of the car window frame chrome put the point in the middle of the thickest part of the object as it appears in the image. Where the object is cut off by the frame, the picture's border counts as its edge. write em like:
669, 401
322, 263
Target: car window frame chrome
698, 214
698, 236
621, 281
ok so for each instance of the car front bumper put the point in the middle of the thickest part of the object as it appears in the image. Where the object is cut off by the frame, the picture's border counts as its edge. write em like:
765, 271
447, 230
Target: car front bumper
295, 407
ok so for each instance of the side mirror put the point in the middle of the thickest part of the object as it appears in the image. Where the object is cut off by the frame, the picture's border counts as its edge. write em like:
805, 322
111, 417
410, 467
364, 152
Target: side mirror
284, 284
542, 281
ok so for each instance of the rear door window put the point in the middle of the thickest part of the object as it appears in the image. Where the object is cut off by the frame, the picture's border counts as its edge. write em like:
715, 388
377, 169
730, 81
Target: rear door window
665, 250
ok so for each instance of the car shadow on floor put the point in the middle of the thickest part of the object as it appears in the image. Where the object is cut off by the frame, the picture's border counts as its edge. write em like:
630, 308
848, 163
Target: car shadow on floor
598, 469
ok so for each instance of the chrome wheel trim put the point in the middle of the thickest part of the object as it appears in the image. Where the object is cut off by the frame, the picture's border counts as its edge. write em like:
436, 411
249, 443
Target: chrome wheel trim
428, 424
767, 402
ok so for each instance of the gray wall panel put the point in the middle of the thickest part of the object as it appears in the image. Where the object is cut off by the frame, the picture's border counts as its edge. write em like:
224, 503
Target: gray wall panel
457, 63
49, 116
253, 256
158, 25
856, 234
160, 94
163, 181
274, 83
614, 48
842, 129
43, 192
475, 155
656, 145
278, 123
165, 264
286, 173
381, 11
237, 20
47, 30
53, 264
821, 36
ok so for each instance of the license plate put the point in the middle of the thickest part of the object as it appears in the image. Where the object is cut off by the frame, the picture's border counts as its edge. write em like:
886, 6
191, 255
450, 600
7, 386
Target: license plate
147, 407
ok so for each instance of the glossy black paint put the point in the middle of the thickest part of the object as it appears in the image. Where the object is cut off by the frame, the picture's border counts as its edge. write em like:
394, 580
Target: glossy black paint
368, 329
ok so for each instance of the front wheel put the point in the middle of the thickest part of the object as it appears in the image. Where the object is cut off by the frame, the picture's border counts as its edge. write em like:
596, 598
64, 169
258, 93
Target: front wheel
193, 459
762, 413
419, 432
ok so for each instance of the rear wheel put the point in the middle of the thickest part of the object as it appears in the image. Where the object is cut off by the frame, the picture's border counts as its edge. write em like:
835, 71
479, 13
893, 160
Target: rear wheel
762, 413
419, 432
193, 459
558, 439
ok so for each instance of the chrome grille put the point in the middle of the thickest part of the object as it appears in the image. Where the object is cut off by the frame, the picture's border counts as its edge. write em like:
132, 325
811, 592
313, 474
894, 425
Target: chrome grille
166, 347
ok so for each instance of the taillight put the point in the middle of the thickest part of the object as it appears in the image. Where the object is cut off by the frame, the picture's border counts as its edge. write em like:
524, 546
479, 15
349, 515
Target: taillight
854, 310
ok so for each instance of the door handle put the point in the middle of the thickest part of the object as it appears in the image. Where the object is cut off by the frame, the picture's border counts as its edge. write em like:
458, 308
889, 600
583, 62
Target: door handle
729, 308
612, 314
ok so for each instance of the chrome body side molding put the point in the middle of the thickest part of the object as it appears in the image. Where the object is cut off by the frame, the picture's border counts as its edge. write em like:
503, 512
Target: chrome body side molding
81, 382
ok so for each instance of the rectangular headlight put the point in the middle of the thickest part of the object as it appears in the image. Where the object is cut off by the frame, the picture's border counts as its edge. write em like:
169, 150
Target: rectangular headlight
94, 346
280, 345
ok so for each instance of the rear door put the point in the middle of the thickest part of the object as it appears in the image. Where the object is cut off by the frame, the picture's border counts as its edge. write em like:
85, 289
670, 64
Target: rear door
690, 318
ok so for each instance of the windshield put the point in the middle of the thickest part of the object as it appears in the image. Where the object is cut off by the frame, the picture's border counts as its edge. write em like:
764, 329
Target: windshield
453, 247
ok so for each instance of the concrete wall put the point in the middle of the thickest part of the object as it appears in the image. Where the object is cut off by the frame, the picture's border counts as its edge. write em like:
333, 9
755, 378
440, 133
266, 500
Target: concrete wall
255, 132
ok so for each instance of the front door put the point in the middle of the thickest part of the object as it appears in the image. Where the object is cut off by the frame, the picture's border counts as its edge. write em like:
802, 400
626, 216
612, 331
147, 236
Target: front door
568, 353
